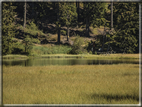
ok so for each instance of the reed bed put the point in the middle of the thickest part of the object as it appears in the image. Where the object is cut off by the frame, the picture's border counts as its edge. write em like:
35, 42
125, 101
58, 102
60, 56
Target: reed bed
77, 84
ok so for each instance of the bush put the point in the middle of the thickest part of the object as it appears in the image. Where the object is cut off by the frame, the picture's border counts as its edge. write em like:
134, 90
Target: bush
18, 48
77, 46
63, 32
51, 50
32, 29
35, 41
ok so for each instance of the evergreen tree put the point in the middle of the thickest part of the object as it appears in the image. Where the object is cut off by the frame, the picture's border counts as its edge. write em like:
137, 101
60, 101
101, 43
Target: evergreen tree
25, 12
58, 24
94, 14
77, 10
126, 26
67, 15
28, 44
8, 27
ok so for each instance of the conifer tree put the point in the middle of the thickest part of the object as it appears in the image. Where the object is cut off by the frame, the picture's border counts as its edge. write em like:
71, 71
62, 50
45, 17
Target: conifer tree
94, 14
67, 15
8, 27
126, 26
25, 12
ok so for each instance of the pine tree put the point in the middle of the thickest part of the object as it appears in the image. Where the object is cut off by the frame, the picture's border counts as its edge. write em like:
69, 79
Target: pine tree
28, 44
8, 27
58, 24
94, 14
126, 26
67, 15
25, 12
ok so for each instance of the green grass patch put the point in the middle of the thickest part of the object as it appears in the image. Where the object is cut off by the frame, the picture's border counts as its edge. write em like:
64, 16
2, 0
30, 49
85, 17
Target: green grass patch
79, 84
42, 50
14, 57
111, 56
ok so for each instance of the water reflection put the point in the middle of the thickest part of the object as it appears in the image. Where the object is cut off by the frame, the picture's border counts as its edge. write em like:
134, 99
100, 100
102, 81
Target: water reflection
64, 61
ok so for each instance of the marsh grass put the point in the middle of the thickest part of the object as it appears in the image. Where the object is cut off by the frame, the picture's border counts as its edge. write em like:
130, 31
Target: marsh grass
78, 84
111, 56
60, 52
12, 56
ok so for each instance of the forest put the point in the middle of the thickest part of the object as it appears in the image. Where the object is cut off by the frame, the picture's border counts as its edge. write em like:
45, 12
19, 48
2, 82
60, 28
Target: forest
37, 28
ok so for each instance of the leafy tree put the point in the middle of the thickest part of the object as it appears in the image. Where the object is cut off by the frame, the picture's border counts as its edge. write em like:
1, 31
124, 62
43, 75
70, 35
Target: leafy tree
126, 26
8, 27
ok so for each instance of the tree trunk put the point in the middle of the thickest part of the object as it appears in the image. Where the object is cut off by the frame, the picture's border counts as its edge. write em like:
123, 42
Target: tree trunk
77, 6
24, 16
111, 15
103, 39
67, 32
33, 15
87, 26
58, 35
87, 21
58, 18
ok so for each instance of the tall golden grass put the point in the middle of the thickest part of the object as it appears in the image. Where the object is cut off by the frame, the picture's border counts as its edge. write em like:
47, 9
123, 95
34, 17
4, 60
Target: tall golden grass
78, 84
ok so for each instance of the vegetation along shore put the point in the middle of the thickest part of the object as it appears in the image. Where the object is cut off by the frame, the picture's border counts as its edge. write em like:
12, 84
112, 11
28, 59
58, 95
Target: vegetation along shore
103, 56
78, 84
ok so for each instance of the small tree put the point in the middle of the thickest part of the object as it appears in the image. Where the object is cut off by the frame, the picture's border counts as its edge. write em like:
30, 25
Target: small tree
28, 44
8, 27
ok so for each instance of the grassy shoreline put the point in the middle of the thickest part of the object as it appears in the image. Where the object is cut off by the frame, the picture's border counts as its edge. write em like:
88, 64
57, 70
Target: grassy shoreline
111, 56
78, 84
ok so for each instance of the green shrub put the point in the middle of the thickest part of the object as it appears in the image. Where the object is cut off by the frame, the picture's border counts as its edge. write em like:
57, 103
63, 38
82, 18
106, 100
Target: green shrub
27, 41
18, 48
63, 32
77, 46
32, 29
90, 52
51, 50
32, 26
35, 41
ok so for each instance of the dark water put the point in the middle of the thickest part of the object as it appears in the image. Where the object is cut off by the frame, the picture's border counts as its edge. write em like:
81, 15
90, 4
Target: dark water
65, 61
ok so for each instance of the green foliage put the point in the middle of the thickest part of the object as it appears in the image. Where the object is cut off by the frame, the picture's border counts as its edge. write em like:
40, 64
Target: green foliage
32, 26
34, 40
32, 29
63, 32
77, 46
67, 13
8, 27
19, 48
40, 50
126, 26
28, 43
95, 13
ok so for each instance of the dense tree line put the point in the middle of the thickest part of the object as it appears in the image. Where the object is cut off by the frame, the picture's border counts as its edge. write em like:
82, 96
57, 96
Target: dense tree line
123, 38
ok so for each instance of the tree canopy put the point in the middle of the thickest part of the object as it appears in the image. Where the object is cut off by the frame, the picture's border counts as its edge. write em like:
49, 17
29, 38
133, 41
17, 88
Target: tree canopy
44, 19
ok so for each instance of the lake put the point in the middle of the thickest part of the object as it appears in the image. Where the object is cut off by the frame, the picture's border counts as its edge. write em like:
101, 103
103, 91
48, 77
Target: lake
64, 61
